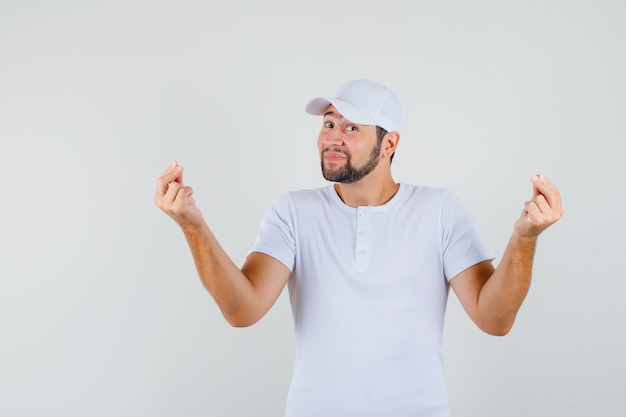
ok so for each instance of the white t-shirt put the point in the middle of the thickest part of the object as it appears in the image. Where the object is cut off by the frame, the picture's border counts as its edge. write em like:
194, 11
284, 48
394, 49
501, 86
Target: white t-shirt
368, 290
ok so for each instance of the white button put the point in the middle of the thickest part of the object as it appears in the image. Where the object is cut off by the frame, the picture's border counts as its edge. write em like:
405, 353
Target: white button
361, 213
361, 232
361, 252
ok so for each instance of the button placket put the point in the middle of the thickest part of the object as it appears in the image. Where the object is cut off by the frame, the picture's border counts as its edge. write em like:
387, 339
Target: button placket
362, 238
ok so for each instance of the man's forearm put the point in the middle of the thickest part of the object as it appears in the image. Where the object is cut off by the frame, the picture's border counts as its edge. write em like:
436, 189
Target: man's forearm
230, 288
502, 295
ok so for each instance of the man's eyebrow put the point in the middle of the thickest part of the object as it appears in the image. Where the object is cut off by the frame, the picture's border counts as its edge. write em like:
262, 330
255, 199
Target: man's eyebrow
330, 113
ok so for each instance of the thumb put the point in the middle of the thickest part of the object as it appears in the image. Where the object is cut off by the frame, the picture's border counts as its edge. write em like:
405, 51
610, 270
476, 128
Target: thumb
185, 194
183, 200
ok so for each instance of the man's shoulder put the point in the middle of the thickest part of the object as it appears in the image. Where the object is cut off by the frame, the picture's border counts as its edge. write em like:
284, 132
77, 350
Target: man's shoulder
424, 192
310, 197
305, 196
309, 192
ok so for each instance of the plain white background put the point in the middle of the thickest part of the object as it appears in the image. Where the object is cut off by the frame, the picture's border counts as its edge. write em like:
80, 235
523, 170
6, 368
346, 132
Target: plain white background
101, 311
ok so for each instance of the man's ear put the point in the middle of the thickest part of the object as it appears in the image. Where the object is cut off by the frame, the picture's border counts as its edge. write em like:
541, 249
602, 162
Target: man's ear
390, 143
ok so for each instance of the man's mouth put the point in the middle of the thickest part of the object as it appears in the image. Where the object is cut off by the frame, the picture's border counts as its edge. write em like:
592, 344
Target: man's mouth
334, 155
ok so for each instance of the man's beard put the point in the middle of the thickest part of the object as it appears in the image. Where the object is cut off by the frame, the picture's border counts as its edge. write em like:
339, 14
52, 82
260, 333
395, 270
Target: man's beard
348, 173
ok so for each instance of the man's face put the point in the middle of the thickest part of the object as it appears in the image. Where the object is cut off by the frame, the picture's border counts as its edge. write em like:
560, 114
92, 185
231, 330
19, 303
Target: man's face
348, 151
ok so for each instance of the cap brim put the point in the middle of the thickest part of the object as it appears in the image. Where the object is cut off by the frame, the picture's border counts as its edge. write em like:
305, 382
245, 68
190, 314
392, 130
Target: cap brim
318, 107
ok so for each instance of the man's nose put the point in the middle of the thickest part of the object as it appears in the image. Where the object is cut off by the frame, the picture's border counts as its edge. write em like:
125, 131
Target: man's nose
333, 137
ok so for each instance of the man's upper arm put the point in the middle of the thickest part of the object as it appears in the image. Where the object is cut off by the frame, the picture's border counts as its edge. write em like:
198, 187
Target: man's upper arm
268, 277
269, 263
468, 284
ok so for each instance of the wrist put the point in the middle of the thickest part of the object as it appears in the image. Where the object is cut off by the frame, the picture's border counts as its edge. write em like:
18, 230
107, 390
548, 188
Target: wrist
192, 228
524, 239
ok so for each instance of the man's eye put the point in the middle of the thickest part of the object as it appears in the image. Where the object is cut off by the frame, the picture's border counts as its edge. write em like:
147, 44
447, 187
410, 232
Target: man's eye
351, 128
328, 125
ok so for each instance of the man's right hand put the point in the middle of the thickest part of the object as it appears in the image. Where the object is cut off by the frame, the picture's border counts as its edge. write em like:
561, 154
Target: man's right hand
176, 199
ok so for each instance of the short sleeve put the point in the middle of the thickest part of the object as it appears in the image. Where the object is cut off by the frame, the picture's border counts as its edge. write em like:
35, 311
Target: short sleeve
276, 234
461, 245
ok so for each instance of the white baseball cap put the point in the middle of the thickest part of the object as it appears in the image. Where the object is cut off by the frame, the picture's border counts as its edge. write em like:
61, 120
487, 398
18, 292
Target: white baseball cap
364, 102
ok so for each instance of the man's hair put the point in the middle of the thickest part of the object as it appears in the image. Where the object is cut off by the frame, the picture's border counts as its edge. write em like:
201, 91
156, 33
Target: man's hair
380, 134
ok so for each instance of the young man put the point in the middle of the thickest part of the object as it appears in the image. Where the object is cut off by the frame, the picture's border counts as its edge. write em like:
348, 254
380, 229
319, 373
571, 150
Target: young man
368, 262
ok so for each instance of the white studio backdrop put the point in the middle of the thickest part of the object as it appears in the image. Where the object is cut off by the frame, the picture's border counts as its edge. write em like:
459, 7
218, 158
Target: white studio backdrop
101, 311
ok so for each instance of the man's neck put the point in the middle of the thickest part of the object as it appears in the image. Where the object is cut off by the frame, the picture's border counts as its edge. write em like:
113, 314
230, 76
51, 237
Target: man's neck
369, 191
